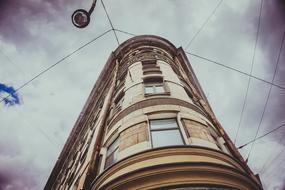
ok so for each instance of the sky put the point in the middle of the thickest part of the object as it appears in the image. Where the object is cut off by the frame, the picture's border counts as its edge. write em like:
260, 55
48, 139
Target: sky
34, 34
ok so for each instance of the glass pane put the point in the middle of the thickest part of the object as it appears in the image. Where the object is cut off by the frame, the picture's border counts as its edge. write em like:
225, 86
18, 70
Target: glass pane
112, 158
159, 89
115, 155
109, 160
163, 124
166, 138
113, 146
148, 89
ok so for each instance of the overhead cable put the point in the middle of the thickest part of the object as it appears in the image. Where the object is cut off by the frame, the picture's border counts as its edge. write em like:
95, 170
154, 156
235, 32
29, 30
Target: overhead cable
251, 70
204, 24
220, 64
109, 19
268, 95
234, 69
58, 62
268, 164
124, 32
260, 137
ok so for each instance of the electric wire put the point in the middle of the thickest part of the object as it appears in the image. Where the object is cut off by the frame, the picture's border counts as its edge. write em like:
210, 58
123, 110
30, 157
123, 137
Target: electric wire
269, 163
241, 72
220, 64
124, 32
236, 70
109, 19
268, 95
58, 62
251, 70
260, 137
20, 70
204, 24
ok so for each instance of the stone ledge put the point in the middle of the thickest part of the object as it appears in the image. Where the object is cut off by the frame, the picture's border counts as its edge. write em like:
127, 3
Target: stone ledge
187, 156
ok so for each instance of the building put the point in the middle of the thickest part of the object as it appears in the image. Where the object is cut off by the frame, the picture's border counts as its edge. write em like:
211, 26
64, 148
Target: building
148, 125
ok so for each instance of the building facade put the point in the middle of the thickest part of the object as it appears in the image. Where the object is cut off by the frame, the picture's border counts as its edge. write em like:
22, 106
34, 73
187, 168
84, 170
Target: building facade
148, 125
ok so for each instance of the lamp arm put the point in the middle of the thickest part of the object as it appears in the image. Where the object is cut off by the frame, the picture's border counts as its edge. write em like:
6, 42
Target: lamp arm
92, 7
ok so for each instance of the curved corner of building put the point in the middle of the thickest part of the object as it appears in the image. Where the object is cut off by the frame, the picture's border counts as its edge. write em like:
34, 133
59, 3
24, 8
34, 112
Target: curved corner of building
148, 125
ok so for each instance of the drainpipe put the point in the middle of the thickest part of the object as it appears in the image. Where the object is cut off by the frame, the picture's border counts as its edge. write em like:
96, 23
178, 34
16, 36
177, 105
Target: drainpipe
92, 170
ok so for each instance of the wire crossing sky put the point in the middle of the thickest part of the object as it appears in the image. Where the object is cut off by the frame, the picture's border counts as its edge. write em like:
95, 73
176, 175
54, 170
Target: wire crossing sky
222, 36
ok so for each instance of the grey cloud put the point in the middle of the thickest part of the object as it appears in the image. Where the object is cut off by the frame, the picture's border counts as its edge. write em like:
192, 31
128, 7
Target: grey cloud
19, 17
44, 29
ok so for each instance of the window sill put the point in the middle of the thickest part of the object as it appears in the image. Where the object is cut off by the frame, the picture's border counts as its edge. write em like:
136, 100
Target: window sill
157, 94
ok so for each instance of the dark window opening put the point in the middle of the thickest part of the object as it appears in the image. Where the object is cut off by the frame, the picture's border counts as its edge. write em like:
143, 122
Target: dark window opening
149, 64
112, 153
153, 79
118, 102
84, 154
152, 71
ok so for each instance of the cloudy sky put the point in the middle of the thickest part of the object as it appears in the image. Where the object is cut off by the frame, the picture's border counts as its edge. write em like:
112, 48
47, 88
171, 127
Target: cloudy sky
35, 34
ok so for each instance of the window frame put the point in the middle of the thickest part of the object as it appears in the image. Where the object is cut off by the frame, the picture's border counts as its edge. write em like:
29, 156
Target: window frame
166, 129
154, 86
118, 101
148, 64
116, 150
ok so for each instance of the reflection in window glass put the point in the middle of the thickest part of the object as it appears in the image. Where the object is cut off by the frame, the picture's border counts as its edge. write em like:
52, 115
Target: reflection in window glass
165, 132
159, 89
149, 90
163, 124
166, 138
112, 153
154, 88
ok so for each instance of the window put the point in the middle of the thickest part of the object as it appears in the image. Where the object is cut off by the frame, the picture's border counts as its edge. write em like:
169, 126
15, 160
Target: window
112, 153
165, 132
154, 85
95, 118
149, 64
118, 102
154, 88
84, 154
70, 179
152, 71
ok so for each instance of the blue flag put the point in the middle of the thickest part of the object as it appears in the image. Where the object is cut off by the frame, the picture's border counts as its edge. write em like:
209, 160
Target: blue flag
13, 98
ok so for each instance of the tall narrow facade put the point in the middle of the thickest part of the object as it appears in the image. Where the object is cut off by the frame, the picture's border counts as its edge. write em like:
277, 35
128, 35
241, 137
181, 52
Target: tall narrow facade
148, 125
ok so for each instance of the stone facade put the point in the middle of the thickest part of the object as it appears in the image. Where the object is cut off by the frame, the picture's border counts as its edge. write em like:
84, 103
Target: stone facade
198, 130
148, 125
133, 135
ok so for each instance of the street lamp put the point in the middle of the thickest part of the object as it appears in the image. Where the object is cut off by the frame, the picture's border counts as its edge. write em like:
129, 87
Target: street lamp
81, 18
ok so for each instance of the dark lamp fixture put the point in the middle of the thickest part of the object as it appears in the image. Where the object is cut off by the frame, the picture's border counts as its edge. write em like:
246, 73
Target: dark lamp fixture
81, 18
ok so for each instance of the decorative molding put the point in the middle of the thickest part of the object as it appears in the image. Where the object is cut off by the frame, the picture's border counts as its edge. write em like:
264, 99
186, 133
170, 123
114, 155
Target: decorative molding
230, 174
153, 102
